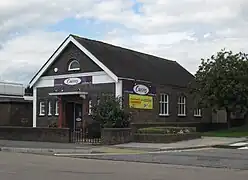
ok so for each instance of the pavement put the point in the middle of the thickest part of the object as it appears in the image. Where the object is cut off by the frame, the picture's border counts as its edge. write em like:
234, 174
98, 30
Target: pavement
129, 148
49, 148
206, 157
16, 166
190, 144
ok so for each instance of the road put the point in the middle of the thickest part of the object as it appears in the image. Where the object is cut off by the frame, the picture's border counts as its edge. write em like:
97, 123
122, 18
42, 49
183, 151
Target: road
14, 166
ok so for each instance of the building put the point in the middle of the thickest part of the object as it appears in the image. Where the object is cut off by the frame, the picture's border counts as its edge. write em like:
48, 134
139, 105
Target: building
80, 70
15, 106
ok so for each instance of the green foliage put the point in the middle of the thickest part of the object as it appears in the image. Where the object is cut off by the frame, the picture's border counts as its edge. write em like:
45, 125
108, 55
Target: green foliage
222, 81
166, 130
109, 113
151, 130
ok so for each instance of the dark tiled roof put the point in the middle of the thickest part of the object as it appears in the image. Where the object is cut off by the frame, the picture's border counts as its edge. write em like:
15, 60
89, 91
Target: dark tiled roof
136, 65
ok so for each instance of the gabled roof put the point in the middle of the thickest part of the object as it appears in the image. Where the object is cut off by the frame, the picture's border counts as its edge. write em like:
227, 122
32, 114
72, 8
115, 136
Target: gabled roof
131, 64
120, 62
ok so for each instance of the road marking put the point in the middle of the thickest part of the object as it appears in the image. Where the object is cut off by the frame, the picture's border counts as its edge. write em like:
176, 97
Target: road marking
239, 144
244, 148
97, 154
58, 154
179, 150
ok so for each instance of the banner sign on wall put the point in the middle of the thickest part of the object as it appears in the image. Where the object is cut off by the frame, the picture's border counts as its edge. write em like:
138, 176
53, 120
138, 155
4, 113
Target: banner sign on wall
72, 81
139, 88
140, 101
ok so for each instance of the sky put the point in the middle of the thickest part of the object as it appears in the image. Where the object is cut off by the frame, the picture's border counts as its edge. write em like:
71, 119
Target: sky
180, 30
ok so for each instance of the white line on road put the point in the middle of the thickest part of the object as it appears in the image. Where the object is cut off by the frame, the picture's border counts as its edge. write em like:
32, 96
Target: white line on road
244, 148
181, 150
57, 154
239, 144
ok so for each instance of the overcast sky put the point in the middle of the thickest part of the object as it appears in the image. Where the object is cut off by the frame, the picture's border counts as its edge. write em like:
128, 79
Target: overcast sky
181, 30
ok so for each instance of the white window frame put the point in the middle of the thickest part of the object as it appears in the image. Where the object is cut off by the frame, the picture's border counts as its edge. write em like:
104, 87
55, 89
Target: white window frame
90, 106
42, 107
181, 103
164, 99
56, 108
73, 69
49, 108
197, 112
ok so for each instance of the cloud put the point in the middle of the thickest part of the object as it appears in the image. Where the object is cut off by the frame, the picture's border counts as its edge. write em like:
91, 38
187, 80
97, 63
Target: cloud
182, 30
21, 58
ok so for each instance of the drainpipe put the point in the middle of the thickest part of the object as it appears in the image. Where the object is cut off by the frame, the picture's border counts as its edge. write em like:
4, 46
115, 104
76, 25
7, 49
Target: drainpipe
60, 120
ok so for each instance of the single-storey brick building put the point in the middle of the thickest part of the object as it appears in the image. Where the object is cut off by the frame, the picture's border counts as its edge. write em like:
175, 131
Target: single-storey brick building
80, 70
15, 106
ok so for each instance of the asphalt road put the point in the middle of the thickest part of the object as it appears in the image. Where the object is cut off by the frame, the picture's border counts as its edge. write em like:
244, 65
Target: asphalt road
214, 158
14, 166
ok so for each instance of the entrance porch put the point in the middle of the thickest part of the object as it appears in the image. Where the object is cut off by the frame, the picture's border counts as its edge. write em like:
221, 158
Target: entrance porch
73, 109
74, 114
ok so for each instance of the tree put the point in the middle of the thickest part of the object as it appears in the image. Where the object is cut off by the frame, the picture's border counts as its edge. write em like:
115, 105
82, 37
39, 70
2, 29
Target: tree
222, 82
109, 113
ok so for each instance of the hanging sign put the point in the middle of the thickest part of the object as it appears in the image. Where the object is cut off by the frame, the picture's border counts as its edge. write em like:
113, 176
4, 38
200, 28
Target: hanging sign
140, 102
139, 88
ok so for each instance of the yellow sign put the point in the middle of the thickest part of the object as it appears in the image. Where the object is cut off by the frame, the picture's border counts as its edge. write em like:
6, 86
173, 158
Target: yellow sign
140, 102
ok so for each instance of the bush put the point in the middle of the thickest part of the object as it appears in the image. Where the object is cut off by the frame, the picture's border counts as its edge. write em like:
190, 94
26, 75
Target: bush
166, 130
109, 113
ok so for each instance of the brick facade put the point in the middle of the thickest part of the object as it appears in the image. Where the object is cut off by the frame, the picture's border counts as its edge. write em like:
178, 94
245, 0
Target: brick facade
16, 113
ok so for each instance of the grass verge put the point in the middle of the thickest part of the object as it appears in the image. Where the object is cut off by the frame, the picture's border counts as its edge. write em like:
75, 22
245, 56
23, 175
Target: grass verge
232, 132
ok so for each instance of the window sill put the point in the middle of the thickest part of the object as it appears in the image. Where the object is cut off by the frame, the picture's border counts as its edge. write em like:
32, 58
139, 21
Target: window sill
197, 116
181, 115
41, 115
75, 69
164, 115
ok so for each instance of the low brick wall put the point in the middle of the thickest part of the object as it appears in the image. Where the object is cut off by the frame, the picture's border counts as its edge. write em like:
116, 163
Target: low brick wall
35, 134
162, 138
111, 136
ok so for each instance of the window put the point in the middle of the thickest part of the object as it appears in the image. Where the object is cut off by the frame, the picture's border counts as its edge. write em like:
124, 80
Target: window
197, 112
42, 108
90, 106
74, 65
182, 106
49, 108
57, 108
164, 105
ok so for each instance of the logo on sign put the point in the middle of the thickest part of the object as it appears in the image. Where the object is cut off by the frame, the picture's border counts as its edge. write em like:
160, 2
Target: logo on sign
141, 89
72, 81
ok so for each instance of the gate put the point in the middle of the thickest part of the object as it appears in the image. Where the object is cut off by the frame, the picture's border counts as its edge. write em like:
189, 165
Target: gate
88, 135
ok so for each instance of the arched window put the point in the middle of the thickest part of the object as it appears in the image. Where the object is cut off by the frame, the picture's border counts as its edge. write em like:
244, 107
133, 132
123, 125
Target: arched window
74, 65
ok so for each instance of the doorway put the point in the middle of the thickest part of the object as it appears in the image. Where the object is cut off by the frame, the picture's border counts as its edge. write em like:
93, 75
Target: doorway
73, 115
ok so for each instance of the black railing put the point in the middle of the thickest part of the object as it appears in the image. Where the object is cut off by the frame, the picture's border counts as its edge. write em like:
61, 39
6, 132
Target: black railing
91, 134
